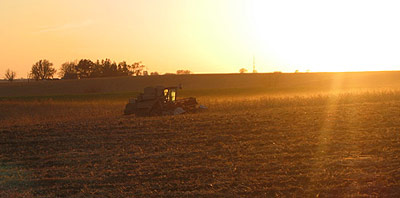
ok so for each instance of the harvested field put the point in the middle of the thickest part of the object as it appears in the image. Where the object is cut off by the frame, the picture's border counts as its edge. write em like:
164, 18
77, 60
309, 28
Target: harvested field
209, 84
318, 145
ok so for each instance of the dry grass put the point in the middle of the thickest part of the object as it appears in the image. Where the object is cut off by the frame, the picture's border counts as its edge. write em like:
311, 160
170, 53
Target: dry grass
228, 84
326, 144
47, 111
31, 112
332, 145
241, 102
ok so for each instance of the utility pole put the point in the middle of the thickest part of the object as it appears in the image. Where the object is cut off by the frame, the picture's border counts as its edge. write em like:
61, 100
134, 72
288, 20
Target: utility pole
254, 64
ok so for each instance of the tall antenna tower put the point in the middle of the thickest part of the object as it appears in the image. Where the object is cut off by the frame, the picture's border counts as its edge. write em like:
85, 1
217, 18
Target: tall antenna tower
254, 64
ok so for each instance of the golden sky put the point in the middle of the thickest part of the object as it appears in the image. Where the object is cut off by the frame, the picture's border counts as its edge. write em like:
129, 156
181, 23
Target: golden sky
204, 36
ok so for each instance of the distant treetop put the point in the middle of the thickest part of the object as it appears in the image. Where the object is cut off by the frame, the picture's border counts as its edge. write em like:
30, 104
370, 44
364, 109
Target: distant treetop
242, 70
86, 68
10, 75
43, 69
183, 72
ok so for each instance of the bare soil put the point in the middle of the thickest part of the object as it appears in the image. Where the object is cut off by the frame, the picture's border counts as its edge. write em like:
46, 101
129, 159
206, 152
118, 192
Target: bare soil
325, 149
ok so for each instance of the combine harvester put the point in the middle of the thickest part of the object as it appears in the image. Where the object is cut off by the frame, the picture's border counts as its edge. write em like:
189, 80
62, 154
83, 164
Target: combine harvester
159, 100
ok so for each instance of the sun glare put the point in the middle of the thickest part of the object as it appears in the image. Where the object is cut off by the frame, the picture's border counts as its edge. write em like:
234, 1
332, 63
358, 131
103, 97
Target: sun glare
320, 36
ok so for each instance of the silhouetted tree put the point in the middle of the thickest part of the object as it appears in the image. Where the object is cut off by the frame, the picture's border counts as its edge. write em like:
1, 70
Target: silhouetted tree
124, 69
182, 72
42, 69
109, 68
137, 68
29, 76
84, 68
154, 74
10, 75
97, 70
68, 71
242, 70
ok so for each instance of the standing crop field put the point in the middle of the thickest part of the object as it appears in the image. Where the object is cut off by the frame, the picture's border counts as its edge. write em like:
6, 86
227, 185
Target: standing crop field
333, 144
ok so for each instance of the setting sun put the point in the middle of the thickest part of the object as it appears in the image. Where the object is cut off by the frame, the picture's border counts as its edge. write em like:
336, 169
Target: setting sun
327, 36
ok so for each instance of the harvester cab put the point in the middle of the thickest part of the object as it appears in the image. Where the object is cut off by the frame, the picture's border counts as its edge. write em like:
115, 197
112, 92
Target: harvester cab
170, 94
160, 100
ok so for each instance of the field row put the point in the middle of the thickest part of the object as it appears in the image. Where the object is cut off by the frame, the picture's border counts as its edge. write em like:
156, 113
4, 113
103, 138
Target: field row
303, 146
42, 111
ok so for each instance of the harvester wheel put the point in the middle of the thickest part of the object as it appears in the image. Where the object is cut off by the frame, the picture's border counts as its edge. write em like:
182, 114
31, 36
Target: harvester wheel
142, 112
156, 110
129, 109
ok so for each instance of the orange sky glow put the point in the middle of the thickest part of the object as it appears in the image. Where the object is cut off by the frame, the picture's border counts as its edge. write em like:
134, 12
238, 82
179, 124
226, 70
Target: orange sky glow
204, 36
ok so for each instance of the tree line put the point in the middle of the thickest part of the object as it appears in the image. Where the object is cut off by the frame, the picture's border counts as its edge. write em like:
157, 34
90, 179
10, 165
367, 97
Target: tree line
85, 68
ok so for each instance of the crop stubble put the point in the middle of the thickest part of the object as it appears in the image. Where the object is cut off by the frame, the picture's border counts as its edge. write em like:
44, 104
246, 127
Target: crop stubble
305, 146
